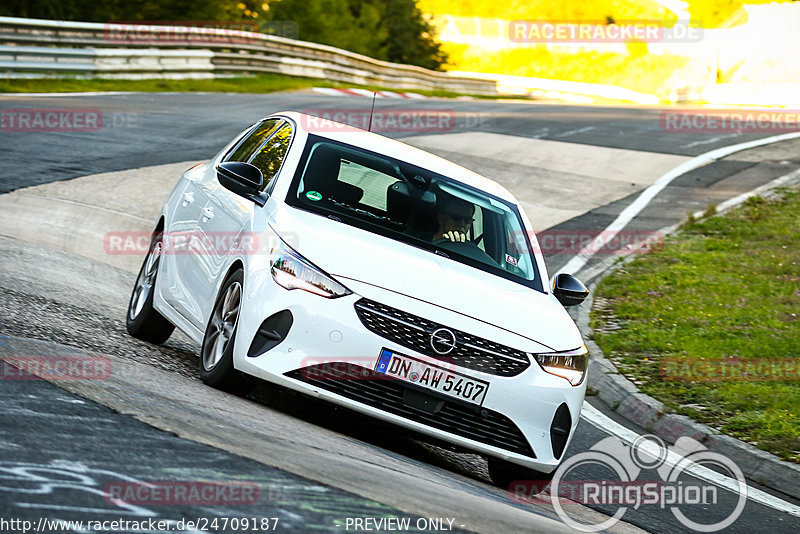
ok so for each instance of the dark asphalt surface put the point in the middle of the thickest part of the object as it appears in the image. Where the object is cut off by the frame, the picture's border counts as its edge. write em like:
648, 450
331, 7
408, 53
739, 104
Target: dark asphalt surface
73, 450
51, 433
151, 129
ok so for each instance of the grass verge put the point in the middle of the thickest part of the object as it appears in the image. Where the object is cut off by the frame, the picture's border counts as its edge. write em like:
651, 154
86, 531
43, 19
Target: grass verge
264, 83
267, 83
709, 324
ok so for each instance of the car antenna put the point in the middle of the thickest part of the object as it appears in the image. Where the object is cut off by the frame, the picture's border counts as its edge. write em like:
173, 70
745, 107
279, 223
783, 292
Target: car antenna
374, 95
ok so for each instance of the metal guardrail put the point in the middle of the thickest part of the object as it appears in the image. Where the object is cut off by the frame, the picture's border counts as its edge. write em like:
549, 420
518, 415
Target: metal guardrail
31, 47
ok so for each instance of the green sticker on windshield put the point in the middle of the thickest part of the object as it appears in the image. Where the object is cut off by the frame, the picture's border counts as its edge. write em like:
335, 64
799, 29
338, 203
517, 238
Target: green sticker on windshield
313, 195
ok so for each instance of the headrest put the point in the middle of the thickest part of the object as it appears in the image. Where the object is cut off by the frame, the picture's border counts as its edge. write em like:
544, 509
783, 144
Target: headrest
346, 193
398, 202
322, 170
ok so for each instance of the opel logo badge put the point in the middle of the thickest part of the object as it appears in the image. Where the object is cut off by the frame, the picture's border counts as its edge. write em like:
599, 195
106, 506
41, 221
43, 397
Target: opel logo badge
443, 341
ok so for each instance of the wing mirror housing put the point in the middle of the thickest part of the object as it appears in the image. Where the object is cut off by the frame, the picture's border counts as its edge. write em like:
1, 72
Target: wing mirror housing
243, 179
569, 290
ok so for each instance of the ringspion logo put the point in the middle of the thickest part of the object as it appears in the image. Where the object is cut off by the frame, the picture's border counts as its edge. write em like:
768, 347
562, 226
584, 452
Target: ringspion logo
676, 490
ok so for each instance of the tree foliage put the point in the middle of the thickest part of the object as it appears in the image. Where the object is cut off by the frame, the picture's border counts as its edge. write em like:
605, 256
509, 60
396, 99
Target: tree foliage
392, 30
120, 10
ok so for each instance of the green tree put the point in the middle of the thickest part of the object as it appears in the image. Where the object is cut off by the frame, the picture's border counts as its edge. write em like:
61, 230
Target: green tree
112, 10
410, 36
393, 30
350, 24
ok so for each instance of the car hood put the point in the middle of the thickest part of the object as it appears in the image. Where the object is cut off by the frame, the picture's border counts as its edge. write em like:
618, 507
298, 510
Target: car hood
344, 251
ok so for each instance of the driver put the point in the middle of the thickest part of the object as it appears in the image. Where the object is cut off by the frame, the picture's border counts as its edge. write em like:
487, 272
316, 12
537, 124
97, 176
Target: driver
454, 218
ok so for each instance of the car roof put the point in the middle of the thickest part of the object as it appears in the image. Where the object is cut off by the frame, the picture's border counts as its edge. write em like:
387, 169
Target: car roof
395, 149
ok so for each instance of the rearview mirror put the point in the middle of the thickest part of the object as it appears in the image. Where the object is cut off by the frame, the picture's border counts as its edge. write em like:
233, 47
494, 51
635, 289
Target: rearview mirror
569, 290
243, 179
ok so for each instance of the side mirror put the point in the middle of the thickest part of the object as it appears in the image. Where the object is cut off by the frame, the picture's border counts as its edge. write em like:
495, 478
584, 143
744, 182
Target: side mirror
243, 179
569, 290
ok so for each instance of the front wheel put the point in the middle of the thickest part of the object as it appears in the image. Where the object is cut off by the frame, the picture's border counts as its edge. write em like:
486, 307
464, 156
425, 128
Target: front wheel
142, 320
504, 473
216, 363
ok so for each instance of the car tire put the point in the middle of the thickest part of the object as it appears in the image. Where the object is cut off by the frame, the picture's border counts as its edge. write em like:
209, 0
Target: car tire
504, 474
216, 353
142, 320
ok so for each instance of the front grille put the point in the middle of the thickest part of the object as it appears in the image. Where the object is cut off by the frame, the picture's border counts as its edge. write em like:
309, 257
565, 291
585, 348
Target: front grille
415, 332
377, 390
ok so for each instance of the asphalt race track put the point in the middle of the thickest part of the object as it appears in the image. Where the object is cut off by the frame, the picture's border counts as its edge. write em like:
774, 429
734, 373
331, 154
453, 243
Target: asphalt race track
315, 467
151, 129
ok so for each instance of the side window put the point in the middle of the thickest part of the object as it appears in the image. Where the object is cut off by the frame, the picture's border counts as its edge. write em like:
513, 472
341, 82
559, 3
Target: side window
245, 149
269, 157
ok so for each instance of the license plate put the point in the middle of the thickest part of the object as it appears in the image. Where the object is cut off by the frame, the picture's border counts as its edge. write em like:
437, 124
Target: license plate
446, 381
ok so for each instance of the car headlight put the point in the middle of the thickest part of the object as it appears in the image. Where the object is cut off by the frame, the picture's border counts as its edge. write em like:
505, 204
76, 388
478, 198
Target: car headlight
292, 271
570, 365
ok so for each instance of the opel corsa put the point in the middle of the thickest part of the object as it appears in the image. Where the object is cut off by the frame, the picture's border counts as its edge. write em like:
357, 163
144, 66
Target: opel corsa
363, 271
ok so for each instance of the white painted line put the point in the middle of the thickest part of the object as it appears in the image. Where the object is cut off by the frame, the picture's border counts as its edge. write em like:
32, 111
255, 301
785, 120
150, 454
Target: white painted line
710, 140
593, 416
735, 201
578, 130
541, 132
578, 262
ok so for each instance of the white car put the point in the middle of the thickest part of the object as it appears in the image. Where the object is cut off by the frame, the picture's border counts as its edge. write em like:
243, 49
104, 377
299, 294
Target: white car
363, 271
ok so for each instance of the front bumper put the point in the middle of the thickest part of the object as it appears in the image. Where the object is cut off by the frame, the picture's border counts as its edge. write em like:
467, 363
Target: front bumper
527, 418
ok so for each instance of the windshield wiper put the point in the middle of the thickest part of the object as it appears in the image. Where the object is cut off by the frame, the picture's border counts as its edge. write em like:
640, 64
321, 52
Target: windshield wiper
371, 215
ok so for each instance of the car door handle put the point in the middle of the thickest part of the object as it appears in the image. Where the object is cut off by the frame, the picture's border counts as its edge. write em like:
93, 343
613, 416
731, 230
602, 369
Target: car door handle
208, 214
188, 198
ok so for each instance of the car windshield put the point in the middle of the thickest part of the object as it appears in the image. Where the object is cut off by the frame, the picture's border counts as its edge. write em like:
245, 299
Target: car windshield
413, 205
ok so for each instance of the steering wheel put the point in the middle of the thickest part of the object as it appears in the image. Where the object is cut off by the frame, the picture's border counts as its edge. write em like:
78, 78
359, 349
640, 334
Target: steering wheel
443, 240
